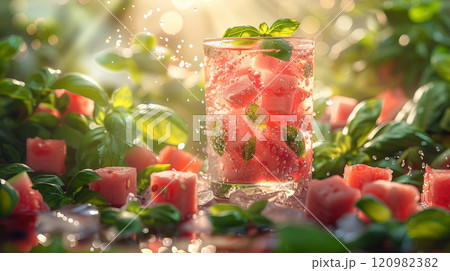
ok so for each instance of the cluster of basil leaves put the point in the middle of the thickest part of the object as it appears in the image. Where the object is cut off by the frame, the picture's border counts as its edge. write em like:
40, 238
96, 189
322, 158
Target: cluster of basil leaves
278, 48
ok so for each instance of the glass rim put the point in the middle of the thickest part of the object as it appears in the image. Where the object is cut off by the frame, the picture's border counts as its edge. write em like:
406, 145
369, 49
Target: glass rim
308, 39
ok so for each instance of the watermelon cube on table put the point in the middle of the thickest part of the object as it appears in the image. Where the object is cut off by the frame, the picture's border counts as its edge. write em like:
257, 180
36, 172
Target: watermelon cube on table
46, 155
436, 187
340, 109
140, 158
329, 199
30, 200
177, 188
78, 104
116, 184
402, 199
358, 175
180, 160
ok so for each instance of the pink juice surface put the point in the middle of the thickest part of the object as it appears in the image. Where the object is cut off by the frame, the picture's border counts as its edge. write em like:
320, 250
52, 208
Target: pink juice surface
259, 109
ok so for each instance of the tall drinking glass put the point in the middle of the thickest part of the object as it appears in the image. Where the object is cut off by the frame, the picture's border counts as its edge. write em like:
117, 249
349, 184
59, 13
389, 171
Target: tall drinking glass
259, 105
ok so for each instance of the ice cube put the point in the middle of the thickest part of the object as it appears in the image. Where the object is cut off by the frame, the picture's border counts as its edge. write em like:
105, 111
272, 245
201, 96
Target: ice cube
205, 197
80, 220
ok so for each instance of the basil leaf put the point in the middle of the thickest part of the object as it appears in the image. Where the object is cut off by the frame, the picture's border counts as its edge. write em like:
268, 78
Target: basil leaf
128, 223
158, 126
10, 153
251, 112
143, 178
86, 196
161, 215
306, 239
362, 121
14, 169
123, 97
62, 102
396, 137
77, 121
431, 107
429, 224
111, 60
84, 86
228, 221
51, 193
111, 151
249, 149
225, 207
99, 114
16, 91
31, 129
87, 155
218, 142
445, 121
415, 177
257, 207
422, 11
82, 178
263, 27
241, 31
41, 80
108, 215
283, 27
9, 47
277, 48
9, 197
374, 208
46, 119
71, 136
47, 178
294, 140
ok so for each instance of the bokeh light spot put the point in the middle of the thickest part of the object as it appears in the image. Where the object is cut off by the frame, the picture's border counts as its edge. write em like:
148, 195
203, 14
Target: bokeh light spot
171, 22
182, 4
310, 24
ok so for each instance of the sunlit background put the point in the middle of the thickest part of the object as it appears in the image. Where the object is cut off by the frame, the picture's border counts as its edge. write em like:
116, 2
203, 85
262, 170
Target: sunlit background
71, 34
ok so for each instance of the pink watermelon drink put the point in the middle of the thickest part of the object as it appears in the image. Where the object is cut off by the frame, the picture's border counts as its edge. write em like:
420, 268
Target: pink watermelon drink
259, 105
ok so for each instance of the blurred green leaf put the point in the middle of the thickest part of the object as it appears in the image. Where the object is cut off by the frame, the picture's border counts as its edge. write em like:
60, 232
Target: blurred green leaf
123, 97
306, 239
87, 155
77, 121
15, 90
423, 10
320, 105
430, 228
440, 61
144, 41
162, 215
111, 60
41, 79
71, 136
47, 178
11, 154
374, 208
45, 119
9, 47
257, 207
9, 198
128, 223
84, 86
86, 196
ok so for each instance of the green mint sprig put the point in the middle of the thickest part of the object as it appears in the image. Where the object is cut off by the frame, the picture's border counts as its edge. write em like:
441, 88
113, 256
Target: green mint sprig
277, 48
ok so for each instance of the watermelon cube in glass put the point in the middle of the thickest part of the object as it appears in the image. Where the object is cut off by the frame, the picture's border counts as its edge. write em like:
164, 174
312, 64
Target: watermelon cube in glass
46, 155
140, 158
358, 175
177, 188
402, 199
246, 79
436, 187
116, 184
30, 200
180, 160
329, 199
